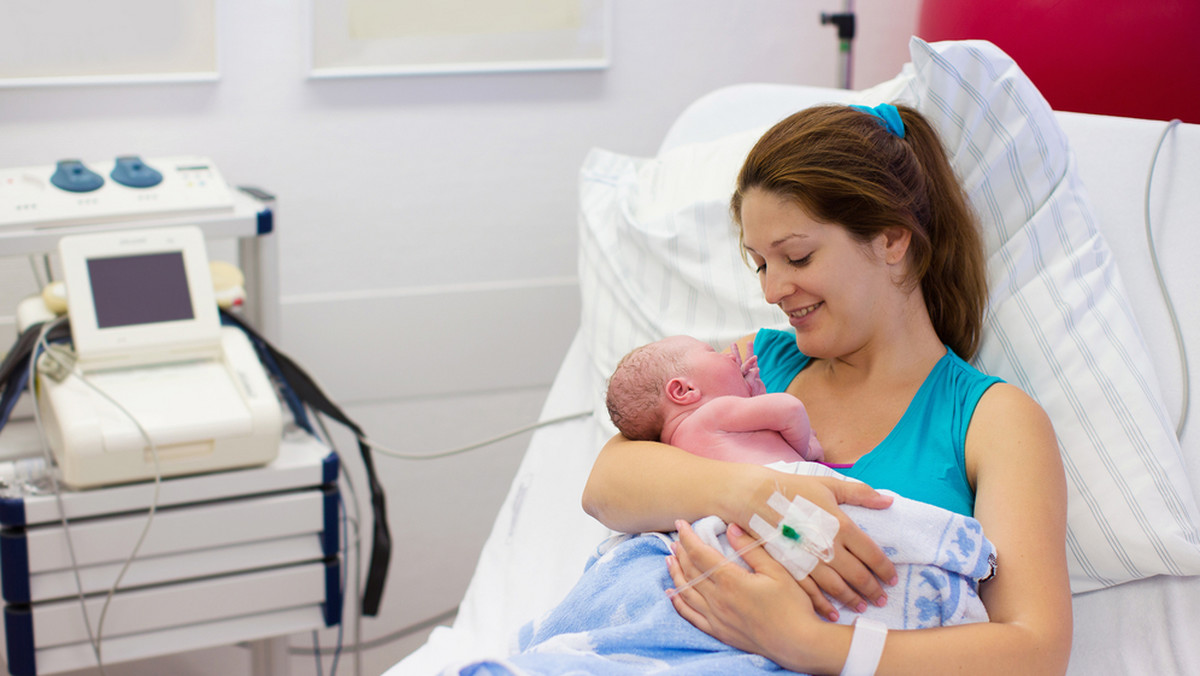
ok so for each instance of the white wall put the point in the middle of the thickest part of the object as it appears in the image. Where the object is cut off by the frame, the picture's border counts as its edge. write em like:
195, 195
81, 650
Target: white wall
426, 228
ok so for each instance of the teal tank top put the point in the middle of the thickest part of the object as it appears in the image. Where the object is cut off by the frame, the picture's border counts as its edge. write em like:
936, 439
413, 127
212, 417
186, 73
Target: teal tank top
923, 458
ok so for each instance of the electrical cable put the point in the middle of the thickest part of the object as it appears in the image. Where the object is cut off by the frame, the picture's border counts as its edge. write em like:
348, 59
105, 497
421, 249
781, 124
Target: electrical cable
299, 386
95, 639
343, 571
341, 628
316, 651
342, 574
358, 583
359, 646
470, 447
355, 521
57, 490
386, 639
346, 519
1162, 285
153, 508
37, 276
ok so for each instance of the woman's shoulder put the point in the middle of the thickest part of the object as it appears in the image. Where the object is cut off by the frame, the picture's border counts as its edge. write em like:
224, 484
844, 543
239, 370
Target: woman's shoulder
1006, 417
958, 375
1009, 434
959, 365
1006, 402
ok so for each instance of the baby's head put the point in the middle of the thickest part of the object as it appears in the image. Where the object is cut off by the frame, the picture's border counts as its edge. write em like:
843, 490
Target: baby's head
678, 370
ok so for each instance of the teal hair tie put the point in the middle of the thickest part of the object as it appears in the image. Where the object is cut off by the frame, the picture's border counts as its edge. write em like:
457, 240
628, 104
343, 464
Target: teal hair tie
888, 115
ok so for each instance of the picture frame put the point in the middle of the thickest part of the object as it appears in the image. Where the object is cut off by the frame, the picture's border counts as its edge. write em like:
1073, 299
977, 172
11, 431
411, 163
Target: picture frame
362, 38
83, 42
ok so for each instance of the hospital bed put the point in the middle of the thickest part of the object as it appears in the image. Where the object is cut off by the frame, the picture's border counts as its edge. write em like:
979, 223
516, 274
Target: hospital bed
1077, 317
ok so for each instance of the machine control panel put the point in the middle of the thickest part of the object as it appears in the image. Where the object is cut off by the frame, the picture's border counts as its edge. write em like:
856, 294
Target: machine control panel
126, 188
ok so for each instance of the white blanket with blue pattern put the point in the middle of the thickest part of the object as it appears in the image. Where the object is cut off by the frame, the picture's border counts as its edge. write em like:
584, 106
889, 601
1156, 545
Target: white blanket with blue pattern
618, 620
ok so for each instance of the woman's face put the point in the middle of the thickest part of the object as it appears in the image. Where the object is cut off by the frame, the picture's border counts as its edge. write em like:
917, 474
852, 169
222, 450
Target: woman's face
834, 289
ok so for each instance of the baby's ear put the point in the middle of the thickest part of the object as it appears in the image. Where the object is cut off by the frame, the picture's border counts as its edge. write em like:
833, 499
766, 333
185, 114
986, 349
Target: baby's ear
681, 391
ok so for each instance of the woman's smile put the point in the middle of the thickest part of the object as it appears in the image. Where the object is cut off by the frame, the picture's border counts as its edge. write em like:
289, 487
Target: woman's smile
800, 316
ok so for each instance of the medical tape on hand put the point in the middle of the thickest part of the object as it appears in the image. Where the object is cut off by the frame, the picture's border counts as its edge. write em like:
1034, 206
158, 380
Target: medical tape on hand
802, 538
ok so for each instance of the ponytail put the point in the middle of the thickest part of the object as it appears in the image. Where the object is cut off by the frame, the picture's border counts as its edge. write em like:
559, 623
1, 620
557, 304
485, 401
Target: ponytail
955, 282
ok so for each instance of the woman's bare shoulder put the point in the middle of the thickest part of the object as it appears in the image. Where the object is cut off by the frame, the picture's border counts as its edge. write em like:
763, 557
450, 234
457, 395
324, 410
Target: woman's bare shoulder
1009, 427
1006, 404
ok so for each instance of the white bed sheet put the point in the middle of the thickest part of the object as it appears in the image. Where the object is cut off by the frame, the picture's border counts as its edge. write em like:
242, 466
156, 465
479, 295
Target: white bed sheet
542, 538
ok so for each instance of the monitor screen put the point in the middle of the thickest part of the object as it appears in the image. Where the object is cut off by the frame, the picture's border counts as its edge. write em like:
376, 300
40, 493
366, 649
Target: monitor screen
139, 289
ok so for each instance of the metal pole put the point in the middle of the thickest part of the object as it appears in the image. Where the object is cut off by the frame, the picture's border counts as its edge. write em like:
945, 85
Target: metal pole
845, 24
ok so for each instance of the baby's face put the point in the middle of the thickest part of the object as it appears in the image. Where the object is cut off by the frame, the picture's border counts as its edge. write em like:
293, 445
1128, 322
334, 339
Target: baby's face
717, 374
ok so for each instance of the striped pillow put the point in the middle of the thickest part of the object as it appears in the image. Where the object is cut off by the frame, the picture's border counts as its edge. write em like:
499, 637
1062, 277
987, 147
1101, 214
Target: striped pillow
658, 256
1059, 323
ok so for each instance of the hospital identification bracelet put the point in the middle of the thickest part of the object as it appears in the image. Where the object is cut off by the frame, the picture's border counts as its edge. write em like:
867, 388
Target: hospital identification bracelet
866, 647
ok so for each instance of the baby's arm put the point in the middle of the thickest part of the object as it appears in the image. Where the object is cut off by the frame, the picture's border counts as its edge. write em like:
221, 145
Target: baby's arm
776, 411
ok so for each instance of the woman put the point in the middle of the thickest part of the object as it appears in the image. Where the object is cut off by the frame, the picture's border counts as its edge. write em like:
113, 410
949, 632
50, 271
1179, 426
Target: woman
860, 233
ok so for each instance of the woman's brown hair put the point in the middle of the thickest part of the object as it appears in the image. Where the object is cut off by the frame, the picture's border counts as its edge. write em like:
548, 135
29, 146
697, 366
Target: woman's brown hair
842, 166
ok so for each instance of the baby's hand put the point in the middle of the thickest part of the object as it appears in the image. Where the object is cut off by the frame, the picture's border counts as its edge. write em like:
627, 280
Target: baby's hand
815, 450
749, 366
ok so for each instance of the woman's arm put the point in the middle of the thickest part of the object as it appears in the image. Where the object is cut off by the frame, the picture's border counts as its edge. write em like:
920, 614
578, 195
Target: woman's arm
638, 486
1012, 455
1021, 501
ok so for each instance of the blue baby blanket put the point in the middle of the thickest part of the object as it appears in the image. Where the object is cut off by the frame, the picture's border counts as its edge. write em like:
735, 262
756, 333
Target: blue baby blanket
618, 620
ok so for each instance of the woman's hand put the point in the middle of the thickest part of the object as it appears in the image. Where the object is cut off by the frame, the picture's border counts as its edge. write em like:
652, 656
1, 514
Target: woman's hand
762, 612
854, 575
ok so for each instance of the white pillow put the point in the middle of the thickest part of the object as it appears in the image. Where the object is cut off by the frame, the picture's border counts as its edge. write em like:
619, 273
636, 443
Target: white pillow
658, 253
659, 256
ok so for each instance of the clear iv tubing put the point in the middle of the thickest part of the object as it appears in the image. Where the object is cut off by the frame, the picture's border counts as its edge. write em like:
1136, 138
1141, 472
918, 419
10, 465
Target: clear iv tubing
737, 554
728, 559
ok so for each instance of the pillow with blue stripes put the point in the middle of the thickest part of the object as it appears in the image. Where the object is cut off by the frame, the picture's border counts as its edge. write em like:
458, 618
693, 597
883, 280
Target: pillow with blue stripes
1059, 324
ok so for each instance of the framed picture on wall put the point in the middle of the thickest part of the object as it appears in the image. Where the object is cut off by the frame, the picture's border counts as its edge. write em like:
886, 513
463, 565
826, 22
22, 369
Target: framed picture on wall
352, 38
68, 42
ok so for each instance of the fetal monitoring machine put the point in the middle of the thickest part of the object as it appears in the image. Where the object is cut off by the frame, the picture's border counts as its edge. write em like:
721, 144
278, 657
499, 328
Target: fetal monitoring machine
153, 384
195, 518
155, 366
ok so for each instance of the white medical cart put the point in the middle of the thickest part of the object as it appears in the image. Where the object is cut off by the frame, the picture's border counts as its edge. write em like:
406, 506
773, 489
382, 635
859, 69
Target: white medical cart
232, 556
